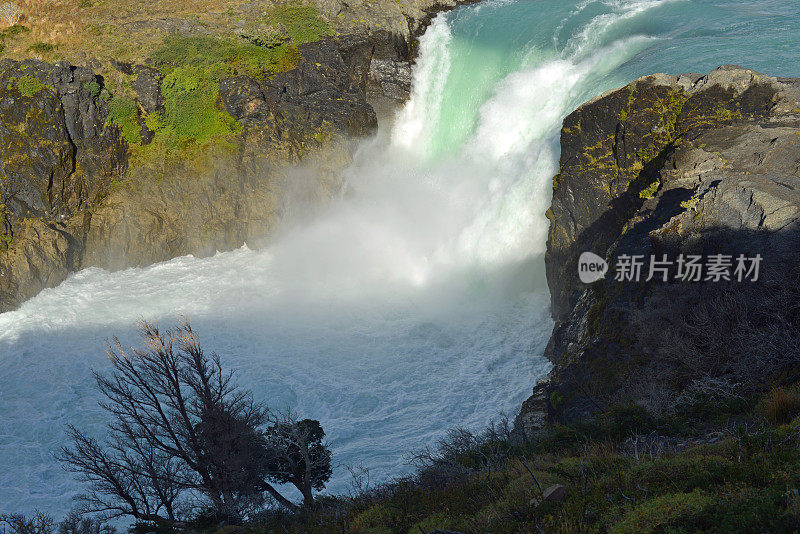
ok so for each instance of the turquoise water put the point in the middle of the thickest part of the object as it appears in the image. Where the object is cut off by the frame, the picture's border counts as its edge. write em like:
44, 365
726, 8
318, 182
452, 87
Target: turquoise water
499, 38
416, 304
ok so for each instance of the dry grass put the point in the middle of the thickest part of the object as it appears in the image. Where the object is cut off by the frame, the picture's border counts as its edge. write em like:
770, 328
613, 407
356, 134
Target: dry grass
124, 30
782, 405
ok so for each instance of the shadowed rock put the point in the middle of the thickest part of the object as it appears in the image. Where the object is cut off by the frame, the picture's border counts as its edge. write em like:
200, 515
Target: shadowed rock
669, 165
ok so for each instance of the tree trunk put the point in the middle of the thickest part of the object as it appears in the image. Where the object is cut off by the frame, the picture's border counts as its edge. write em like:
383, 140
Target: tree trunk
308, 497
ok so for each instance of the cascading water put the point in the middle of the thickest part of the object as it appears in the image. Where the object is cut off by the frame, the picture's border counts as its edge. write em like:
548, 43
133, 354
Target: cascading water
416, 304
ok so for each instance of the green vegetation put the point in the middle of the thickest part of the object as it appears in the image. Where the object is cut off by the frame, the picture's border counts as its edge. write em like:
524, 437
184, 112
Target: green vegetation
224, 56
40, 47
191, 112
625, 472
27, 85
13, 31
94, 88
10, 33
191, 118
124, 112
6, 238
303, 23
649, 191
690, 204
194, 66
724, 114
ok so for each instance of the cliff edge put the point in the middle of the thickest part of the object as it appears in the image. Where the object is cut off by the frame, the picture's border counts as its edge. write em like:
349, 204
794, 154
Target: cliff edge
663, 172
201, 136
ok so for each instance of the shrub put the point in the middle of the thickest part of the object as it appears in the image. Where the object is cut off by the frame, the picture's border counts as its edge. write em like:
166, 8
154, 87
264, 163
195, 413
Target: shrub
782, 405
685, 472
655, 515
747, 510
124, 112
738, 334
622, 422
13, 31
40, 47
190, 95
38, 523
94, 88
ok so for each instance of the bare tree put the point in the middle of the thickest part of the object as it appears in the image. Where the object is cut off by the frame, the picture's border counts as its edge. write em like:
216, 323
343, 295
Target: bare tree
10, 12
180, 428
38, 523
42, 523
74, 523
297, 454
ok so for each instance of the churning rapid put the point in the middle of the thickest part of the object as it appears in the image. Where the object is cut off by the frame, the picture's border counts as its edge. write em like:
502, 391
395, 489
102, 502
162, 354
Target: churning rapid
417, 302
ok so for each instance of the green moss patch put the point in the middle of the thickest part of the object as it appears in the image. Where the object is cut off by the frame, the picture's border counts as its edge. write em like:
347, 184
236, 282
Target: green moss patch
649, 191
27, 85
228, 56
94, 88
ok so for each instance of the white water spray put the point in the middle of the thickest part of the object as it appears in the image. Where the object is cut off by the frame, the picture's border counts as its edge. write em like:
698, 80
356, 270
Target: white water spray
416, 305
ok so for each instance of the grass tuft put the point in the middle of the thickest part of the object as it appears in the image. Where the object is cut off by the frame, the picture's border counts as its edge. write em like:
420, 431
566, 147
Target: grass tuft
782, 405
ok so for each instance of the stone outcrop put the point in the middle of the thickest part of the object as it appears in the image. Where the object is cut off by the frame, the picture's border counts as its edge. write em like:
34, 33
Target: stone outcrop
59, 158
672, 165
388, 32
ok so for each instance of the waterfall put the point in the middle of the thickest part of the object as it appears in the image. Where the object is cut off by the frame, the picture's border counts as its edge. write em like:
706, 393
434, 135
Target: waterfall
415, 304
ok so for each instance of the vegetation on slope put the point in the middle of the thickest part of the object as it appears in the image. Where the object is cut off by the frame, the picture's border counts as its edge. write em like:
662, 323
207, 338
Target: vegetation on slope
720, 463
195, 43
733, 468
131, 31
192, 67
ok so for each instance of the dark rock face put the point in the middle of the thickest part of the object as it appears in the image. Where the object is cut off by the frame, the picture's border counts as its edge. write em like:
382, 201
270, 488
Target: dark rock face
58, 158
147, 85
58, 149
320, 90
66, 167
234, 195
687, 165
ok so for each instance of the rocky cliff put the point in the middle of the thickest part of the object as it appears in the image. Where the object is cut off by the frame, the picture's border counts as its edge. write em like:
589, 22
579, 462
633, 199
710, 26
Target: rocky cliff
668, 169
80, 186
